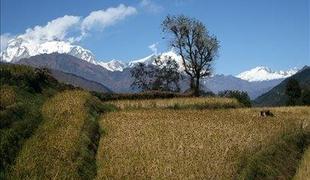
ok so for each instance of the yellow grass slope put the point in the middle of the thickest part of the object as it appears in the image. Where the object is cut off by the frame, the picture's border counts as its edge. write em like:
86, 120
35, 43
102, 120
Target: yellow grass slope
52, 152
188, 144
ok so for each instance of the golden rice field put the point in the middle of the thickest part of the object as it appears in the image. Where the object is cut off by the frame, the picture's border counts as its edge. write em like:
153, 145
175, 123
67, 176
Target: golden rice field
186, 102
52, 152
188, 143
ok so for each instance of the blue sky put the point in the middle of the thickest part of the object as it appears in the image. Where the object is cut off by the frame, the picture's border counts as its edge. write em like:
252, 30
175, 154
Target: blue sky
273, 33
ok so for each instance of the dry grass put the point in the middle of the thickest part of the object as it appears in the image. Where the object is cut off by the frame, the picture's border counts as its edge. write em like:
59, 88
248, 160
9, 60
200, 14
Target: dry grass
51, 153
188, 144
198, 103
303, 171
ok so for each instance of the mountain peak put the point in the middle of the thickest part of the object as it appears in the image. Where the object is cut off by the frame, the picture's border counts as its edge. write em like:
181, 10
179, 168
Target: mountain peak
19, 48
113, 65
263, 73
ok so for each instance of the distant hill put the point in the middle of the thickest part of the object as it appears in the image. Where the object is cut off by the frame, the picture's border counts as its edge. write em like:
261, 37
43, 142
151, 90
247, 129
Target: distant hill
276, 96
119, 81
227, 82
77, 81
114, 81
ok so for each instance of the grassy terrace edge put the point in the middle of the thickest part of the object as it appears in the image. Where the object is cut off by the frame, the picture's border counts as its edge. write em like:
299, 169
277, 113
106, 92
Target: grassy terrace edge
65, 144
279, 160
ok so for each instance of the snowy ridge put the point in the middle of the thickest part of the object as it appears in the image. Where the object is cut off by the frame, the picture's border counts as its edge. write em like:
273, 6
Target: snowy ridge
113, 65
263, 73
116, 65
19, 48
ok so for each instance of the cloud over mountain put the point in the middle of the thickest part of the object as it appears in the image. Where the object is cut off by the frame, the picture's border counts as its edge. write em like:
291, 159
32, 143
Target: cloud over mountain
4, 39
55, 29
103, 18
72, 28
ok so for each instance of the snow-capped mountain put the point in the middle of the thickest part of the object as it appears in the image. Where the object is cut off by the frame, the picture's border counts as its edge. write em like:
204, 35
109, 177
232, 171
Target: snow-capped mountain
262, 73
113, 65
116, 65
146, 60
19, 48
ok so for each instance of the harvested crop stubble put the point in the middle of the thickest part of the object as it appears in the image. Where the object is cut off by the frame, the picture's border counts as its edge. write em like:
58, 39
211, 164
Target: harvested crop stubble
188, 144
52, 152
193, 102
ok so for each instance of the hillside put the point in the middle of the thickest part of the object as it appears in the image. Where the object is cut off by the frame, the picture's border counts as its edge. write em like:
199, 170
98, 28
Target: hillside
119, 81
276, 96
77, 81
45, 126
49, 130
23, 91
114, 81
219, 83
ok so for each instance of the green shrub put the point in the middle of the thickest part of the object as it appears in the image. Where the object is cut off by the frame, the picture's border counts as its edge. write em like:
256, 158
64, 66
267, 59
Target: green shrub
305, 98
278, 160
11, 114
135, 96
7, 96
241, 96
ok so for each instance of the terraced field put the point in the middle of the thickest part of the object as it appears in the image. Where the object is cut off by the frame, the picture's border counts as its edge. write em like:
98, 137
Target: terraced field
52, 131
191, 144
58, 149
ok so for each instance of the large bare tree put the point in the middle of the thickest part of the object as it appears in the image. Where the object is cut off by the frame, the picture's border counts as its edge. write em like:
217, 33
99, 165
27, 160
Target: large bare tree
194, 44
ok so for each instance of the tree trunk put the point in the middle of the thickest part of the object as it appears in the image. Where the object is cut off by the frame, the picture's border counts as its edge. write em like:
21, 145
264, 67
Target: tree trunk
192, 83
196, 87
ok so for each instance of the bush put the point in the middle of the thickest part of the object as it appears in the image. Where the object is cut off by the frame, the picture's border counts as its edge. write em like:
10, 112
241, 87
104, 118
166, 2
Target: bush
278, 160
7, 96
135, 96
241, 96
305, 98
293, 91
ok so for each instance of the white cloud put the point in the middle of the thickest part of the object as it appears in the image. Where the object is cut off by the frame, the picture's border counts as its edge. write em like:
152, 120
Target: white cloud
103, 18
4, 39
70, 28
55, 29
151, 6
153, 48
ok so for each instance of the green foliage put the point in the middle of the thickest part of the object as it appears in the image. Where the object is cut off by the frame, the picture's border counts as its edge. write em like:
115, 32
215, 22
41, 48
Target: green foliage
278, 160
305, 98
33, 80
164, 76
7, 96
277, 96
23, 92
293, 91
135, 96
18, 122
241, 96
65, 144
141, 77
